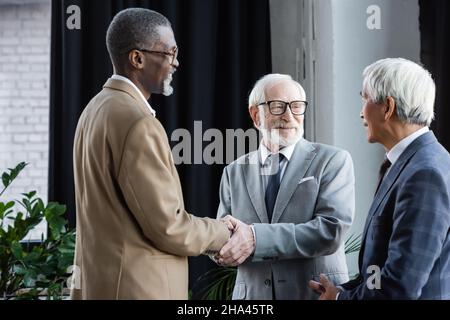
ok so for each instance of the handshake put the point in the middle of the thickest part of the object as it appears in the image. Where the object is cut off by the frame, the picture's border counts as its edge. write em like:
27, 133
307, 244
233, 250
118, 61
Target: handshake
240, 245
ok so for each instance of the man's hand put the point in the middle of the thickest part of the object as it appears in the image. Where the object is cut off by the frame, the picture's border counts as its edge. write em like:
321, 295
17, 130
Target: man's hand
325, 288
240, 246
230, 222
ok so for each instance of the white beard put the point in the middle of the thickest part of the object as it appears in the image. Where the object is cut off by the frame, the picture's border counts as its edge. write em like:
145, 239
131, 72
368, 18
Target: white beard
273, 136
167, 88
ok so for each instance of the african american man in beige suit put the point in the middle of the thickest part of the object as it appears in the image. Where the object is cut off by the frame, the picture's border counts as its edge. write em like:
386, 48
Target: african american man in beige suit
133, 233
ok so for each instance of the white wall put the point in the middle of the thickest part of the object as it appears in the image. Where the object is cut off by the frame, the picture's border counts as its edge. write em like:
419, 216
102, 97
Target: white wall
337, 48
24, 95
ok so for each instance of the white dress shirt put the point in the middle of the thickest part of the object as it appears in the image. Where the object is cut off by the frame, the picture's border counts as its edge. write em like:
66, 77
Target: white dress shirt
401, 146
265, 153
122, 78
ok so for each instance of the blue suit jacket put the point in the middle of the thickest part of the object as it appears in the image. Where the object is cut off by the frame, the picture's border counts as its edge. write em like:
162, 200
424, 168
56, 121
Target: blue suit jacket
407, 232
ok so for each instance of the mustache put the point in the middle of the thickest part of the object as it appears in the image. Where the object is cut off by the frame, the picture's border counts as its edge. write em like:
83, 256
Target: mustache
279, 124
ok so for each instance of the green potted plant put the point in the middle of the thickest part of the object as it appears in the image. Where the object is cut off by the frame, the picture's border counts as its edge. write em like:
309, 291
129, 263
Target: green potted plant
31, 270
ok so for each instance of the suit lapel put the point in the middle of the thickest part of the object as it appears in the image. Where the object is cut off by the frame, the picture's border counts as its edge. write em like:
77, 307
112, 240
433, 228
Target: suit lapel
253, 180
391, 178
385, 186
300, 161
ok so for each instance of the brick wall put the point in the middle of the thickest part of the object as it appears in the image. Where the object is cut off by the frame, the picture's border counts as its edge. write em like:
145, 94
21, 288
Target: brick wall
24, 94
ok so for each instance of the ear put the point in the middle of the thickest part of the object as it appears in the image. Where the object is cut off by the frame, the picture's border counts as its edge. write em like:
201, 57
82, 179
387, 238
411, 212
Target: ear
136, 59
254, 111
390, 106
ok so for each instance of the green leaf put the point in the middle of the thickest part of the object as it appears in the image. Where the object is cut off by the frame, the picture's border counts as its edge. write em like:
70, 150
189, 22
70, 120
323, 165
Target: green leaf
353, 244
26, 203
56, 226
6, 179
30, 278
30, 194
65, 250
4, 208
7, 213
32, 257
9, 205
48, 269
38, 208
19, 269
59, 209
19, 216
55, 291
15, 172
17, 250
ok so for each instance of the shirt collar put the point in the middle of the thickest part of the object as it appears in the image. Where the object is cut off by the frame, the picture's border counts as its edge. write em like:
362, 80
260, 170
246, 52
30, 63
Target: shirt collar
401, 146
122, 78
286, 151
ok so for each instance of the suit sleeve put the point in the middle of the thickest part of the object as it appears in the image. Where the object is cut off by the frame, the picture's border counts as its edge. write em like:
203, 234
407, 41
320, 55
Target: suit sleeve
325, 232
224, 195
420, 225
151, 190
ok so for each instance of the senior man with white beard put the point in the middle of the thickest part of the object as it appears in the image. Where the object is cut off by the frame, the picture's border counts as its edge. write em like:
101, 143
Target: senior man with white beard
291, 201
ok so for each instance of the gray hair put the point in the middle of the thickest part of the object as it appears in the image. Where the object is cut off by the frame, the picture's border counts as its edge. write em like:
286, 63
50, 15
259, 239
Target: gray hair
133, 28
257, 95
409, 84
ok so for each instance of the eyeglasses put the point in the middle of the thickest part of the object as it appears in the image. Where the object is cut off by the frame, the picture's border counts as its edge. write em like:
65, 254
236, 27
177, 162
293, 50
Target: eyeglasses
278, 107
173, 54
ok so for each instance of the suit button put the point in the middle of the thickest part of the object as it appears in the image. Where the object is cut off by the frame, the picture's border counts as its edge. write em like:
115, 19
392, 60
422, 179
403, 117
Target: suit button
268, 282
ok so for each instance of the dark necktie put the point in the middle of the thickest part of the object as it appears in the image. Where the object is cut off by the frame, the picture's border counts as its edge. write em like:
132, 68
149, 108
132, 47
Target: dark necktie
273, 184
384, 167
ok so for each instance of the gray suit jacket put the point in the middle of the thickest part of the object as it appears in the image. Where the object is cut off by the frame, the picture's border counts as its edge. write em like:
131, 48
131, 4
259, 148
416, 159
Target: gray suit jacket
312, 213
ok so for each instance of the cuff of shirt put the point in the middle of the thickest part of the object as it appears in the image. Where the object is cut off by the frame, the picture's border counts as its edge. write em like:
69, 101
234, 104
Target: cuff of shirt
254, 239
254, 234
340, 288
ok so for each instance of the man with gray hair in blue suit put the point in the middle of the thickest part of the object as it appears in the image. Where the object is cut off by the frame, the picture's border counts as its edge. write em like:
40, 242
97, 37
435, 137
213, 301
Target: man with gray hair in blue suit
291, 201
405, 251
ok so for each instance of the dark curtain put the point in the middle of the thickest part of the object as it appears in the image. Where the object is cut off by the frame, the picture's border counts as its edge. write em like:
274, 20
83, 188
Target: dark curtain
435, 53
224, 48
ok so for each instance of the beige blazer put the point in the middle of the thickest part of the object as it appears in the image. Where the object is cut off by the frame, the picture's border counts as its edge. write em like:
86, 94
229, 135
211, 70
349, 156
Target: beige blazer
133, 233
